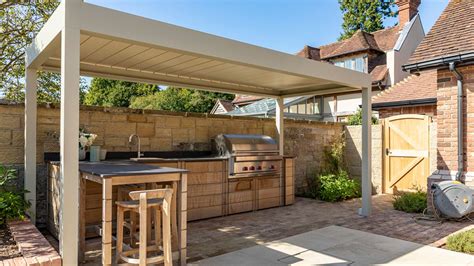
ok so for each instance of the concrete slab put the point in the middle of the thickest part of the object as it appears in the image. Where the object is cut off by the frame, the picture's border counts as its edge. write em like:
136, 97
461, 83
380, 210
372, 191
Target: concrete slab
335, 245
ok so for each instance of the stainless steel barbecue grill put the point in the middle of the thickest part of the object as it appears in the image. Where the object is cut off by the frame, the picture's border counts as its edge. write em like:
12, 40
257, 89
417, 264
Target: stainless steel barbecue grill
249, 155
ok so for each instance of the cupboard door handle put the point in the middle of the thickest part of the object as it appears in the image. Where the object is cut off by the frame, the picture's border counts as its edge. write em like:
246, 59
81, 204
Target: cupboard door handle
243, 185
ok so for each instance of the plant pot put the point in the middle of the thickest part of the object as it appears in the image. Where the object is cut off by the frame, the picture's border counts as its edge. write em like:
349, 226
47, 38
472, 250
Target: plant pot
82, 153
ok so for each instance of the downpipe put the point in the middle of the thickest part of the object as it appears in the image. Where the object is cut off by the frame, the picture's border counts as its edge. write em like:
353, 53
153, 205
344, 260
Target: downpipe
459, 78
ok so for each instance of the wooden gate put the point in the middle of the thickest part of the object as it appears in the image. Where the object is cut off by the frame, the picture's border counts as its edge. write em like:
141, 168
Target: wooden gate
406, 144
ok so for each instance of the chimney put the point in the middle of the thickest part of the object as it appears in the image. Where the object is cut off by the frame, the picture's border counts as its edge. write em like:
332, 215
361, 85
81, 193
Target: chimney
407, 9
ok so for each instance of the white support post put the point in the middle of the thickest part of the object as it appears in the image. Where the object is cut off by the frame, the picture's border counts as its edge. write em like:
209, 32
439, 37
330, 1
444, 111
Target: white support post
366, 152
69, 234
279, 120
31, 84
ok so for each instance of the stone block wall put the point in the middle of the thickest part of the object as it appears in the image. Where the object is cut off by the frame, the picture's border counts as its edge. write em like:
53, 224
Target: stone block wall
159, 131
353, 154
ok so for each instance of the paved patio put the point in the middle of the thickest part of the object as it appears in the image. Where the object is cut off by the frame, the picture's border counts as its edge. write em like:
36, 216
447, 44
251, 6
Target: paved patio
335, 245
217, 236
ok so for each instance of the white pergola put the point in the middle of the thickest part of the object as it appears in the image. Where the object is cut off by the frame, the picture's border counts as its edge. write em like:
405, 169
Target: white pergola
85, 39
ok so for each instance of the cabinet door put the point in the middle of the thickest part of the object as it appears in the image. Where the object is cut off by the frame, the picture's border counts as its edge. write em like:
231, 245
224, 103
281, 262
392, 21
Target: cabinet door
241, 195
289, 181
269, 192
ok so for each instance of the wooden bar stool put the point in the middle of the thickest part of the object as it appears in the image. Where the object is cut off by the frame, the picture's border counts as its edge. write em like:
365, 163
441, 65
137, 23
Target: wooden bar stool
158, 200
130, 221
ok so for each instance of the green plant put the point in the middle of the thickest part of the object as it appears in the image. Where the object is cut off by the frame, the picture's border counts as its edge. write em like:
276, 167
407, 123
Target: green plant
356, 119
337, 187
462, 242
12, 202
412, 202
332, 182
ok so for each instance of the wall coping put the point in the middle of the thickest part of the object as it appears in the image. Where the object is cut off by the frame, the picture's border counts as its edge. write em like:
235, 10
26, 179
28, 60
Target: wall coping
34, 248
125, 110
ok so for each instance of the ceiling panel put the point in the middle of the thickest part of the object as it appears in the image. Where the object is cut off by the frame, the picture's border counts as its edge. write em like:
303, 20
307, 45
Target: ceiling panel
155, 60
91, 45
132, 60
105, 52
161, 67
129, 52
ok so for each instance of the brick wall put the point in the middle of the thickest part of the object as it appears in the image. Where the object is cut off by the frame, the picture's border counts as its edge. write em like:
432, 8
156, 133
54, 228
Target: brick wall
419, 110
161, 131
447, 124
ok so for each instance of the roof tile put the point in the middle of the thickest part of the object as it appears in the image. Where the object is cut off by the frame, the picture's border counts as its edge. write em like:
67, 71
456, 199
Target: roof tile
413, 87
453, 33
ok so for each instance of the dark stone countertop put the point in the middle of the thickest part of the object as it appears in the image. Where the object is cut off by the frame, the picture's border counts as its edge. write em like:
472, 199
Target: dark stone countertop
124, 168
177, 159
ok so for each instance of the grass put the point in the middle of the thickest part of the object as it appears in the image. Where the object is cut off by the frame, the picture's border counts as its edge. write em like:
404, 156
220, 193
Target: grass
462, 242
411, 202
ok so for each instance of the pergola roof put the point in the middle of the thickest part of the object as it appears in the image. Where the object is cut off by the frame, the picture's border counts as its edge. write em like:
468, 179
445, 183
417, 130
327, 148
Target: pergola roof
81, 38
128, 47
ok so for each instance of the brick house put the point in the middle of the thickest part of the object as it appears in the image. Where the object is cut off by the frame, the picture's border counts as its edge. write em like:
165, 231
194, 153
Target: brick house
380, 53
441, 84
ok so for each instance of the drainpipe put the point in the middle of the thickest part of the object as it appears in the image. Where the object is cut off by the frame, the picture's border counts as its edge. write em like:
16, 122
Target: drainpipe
459, 77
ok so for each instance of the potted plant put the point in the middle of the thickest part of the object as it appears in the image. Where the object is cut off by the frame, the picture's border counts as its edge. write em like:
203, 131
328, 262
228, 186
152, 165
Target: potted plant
85, 140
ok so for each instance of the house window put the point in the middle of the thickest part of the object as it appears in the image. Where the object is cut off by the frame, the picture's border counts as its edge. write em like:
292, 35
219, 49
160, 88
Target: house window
355, 63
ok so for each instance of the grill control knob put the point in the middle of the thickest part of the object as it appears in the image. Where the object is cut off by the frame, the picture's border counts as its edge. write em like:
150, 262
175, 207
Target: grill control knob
252, 168
245, 168
259, 167
272, 166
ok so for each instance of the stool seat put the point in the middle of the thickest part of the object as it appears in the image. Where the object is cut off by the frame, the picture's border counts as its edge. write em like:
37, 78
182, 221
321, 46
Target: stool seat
134, 204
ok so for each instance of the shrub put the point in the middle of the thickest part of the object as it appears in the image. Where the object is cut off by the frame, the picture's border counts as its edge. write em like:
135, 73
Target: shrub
337, 187
412, 202
356, 119
462, 242
12, 202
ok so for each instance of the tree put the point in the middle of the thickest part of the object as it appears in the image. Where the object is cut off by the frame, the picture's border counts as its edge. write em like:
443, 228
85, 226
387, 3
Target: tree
366, 15
180, 100
105, 92
20, 21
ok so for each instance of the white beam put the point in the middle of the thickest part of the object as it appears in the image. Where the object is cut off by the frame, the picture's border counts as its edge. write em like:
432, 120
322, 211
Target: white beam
70, 74
43, 44
366, 152
279, 120
31, 84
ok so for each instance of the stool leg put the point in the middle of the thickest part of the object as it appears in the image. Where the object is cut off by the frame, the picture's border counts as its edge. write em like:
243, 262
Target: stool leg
167, 235
119, 233
157, 228
143, 229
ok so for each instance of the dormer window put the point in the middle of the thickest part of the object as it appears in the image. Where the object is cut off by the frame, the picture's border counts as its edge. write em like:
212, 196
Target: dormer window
355, 63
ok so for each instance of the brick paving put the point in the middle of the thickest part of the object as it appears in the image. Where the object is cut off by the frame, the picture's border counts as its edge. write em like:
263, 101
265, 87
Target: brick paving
216, 236
212, 237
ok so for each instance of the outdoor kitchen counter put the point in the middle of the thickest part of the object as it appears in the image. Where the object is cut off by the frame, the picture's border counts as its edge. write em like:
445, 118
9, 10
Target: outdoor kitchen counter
110, 174
107, 169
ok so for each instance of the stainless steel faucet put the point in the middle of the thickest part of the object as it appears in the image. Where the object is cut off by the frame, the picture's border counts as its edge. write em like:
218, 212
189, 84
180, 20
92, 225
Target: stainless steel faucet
130, 142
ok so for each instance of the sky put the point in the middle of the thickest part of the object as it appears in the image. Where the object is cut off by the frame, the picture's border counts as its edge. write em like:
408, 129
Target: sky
283, 25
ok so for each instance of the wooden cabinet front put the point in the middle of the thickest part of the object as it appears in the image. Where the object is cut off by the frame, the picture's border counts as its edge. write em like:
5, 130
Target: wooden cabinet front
241, 195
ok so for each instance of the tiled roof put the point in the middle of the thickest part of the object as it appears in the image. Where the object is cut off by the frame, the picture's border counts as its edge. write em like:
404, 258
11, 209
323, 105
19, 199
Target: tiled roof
453, 33
379, 73
239, 99
381, 40
413, 87
360, 41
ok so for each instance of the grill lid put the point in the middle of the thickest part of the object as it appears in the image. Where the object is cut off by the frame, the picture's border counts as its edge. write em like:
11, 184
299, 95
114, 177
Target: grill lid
232, 144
